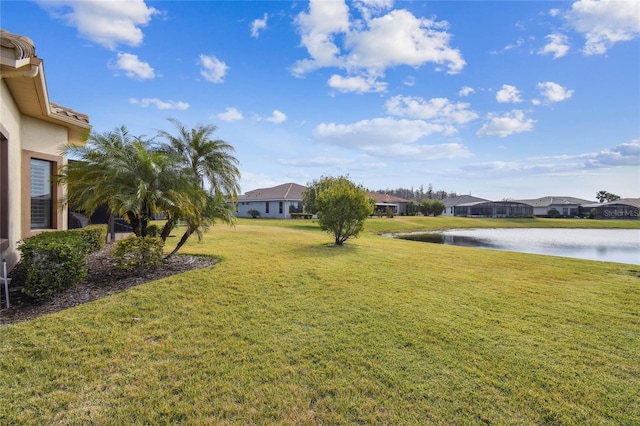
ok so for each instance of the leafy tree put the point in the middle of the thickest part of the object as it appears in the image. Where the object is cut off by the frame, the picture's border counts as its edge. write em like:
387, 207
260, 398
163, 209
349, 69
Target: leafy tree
342, 207
309, 197
432, 207
603, 196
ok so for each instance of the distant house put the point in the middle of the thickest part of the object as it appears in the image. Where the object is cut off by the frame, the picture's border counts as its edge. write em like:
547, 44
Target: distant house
494, 209
452, 202
32, 132
626, 208
565, 206
277, 202
396, 204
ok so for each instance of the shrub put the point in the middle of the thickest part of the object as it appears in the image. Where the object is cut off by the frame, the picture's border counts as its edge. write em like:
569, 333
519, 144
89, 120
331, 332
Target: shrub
95, 236
138, 254
153, 230
253, 213
553, 213
53, 262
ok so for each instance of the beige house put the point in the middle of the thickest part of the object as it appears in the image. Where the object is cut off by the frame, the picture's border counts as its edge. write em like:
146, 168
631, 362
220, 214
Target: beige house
32, 132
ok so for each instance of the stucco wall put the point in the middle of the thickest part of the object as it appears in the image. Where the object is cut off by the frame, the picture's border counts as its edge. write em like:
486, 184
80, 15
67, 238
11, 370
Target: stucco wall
10, 121
27, 137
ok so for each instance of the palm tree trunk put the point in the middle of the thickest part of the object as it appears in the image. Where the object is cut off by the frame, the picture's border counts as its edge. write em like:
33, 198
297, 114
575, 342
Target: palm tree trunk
182, 241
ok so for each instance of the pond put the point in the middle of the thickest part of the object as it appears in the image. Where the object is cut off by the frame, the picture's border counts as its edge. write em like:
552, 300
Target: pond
610, 245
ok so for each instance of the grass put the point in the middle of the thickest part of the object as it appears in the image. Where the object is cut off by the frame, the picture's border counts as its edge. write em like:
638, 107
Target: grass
290, 330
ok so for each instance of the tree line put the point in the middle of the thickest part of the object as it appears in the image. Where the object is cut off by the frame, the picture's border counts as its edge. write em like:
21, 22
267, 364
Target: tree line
419, 194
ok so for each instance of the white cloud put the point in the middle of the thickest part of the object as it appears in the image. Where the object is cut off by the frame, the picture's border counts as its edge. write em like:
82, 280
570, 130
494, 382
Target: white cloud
317, 30
558, 46
508, 94
108, 23
626, 154
389, 138
356, 84
466, 91
368, 8
133, 67
554, 12
437, 110
373, 44
508, 124
145, 102
230, 114
604, 23
336, 162
400, 38
553, 92
276, 117
213, 69
258, 25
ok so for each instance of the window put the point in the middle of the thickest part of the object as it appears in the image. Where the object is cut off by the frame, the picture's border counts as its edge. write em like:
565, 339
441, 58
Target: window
281, 207
266, 207
41, 194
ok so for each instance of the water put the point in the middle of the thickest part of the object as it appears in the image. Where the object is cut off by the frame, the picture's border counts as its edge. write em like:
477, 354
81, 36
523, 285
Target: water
610, 245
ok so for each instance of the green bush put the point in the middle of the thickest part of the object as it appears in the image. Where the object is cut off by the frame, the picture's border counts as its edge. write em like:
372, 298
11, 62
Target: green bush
95, 236
253, 213
138, 254
53, 262
153, 230
553, 213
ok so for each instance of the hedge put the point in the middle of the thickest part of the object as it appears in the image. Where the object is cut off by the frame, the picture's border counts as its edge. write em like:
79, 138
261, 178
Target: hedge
53, 261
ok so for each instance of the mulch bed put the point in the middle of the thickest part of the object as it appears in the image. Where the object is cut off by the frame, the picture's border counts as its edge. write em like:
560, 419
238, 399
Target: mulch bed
104, 279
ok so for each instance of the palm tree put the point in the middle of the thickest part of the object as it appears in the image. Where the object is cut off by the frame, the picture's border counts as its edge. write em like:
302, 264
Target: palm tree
132, 178
212, 161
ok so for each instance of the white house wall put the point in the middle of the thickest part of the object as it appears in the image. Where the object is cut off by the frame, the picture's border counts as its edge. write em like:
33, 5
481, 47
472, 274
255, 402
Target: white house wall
274, 210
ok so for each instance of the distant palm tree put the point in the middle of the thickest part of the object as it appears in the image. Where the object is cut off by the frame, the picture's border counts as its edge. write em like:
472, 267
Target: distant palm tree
212, 161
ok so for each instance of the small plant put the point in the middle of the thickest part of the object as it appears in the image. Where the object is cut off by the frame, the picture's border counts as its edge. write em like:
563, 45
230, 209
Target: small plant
389, 212
138, 254
53, 262
254, 213
153, 230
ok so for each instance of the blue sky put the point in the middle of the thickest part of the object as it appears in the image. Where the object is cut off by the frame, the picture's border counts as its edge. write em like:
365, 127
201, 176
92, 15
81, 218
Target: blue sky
502, 99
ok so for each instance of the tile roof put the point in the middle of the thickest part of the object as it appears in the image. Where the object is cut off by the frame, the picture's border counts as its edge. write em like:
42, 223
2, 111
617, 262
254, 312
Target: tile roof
555, 200
386, 198
462, 199
22, 45
632, 202
286, 191
68, 112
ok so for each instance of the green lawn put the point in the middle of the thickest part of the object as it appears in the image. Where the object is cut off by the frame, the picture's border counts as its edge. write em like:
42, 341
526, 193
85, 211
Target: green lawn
287, 329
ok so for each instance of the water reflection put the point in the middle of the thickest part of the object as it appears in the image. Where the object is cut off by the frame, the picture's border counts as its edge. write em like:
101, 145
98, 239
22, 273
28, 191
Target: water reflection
612, 245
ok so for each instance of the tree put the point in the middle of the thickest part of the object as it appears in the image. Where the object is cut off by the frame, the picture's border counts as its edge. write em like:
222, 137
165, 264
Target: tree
212, 161
129, 176
603, 196
309, 197
432, 207
138, 180
342, 207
